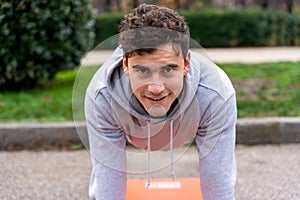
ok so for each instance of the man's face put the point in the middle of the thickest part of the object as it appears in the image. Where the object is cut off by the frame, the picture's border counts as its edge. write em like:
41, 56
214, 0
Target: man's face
157, 78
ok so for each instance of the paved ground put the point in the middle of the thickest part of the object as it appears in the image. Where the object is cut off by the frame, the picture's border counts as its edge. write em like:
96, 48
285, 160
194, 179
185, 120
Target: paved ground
264, 172
223, 55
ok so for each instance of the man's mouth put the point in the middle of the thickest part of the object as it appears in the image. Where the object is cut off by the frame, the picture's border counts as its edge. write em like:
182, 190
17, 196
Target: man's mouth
156, 98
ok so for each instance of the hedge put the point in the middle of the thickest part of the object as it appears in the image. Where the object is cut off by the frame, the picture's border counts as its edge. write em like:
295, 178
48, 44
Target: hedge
39, 38
226, 28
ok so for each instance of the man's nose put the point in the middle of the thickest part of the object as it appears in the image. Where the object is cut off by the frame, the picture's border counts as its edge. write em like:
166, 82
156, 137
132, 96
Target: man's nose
156, 88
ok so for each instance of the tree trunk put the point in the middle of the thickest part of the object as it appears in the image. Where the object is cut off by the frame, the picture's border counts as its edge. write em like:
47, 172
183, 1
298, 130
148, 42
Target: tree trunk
263, 3
188, 4
102, 5
177, 4
135, 3
242, 3
118, 5
289, 5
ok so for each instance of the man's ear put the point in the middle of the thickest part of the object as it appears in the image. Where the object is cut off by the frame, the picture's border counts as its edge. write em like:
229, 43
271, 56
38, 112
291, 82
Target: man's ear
125, 64
187, 63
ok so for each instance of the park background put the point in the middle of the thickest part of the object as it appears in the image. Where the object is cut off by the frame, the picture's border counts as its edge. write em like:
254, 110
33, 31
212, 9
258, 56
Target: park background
42, 46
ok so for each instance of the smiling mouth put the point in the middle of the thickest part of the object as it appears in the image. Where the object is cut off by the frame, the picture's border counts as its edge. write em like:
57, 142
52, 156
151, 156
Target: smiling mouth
156, 99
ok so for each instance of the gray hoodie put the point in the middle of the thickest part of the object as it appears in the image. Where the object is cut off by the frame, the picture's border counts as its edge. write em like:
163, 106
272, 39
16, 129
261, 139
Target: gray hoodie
205, 110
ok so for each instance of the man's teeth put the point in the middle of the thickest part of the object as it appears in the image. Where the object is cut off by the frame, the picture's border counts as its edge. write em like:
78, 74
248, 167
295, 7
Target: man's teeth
156, 99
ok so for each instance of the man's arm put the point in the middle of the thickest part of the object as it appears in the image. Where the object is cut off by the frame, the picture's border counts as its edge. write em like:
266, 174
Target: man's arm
106, 183
216, 144
107, 148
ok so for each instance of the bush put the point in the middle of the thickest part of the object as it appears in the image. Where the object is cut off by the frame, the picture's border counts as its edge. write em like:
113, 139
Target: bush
107, 25
243, 28
287, 29
226, 28
39, 38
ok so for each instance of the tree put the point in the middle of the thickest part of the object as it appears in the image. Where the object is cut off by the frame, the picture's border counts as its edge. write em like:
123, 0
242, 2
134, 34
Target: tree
289, 5
40, 38
240, 2
107, 5
102, 5
177, 4
189, 4
135, 3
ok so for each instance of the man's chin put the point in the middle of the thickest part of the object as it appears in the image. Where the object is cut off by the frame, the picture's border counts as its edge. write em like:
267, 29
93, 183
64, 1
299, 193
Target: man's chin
157, 111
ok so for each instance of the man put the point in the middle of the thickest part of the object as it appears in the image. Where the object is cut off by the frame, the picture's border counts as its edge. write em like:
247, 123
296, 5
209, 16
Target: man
156, 94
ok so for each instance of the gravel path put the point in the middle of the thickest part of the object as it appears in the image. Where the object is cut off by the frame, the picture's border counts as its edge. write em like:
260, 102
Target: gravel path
222, 55
264, 172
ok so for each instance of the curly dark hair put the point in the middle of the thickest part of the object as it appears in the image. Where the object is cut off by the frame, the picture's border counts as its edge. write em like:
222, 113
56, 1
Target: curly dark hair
149, 26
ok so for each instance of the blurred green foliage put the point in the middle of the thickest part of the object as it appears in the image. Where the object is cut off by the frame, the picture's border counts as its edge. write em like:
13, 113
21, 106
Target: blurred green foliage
226, 28
39, 38
106, 26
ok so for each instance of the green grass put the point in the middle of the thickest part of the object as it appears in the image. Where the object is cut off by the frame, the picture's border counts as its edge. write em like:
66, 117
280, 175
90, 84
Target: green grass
49, 102
269, 89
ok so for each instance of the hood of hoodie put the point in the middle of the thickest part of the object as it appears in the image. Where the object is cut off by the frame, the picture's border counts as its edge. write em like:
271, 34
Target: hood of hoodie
135, 120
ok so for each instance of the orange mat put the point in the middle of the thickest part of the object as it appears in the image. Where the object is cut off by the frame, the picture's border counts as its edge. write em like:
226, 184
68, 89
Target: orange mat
164, 189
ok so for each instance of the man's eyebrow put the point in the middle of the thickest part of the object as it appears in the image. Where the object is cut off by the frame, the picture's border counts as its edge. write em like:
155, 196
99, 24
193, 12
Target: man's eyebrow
139, 67
172, 65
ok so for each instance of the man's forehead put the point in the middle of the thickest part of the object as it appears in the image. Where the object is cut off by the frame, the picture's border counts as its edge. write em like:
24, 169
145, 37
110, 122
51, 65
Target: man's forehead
168, 48
156, 53
159, 57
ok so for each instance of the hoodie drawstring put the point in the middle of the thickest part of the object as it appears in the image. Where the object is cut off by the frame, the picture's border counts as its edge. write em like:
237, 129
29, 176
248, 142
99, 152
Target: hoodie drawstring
148, 149
171, 152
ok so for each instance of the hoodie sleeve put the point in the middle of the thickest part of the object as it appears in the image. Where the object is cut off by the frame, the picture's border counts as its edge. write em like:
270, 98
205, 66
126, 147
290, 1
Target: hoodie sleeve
107, 149
216, 145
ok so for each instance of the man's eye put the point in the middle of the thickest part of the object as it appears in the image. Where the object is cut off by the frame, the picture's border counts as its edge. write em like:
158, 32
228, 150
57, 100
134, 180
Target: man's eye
142, 71
168, 70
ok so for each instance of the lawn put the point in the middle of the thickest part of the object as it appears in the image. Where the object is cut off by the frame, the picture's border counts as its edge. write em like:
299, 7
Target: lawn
49, 102
268, 89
